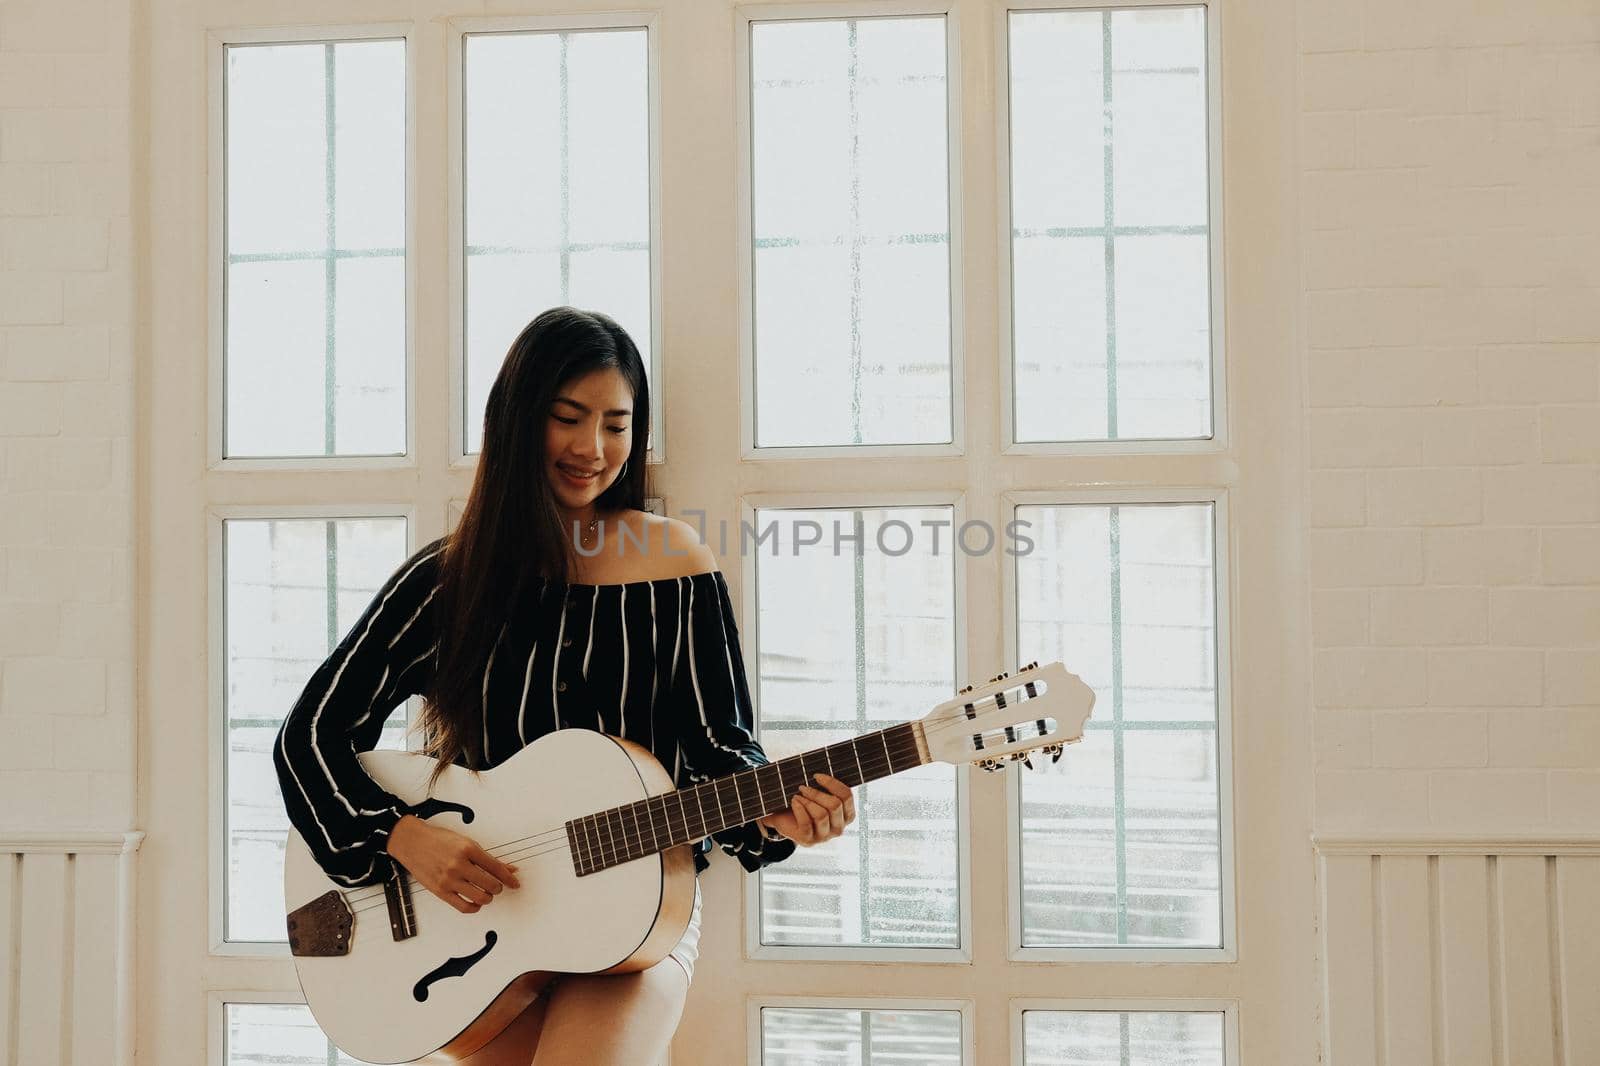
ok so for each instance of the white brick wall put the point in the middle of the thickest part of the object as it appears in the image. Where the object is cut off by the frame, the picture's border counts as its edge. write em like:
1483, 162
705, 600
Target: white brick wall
1450, 172
66, 416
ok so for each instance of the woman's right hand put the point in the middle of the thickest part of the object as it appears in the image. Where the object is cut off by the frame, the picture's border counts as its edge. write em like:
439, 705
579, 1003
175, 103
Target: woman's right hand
448, 864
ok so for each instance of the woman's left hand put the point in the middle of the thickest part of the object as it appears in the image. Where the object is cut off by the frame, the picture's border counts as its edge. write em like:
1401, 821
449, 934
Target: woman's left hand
814, 815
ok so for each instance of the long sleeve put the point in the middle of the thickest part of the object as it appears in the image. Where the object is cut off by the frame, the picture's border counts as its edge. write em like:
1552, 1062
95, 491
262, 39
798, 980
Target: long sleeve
715, 714
341, 812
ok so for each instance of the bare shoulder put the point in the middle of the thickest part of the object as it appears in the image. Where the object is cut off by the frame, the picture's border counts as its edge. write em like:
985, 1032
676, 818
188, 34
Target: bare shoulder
672, 546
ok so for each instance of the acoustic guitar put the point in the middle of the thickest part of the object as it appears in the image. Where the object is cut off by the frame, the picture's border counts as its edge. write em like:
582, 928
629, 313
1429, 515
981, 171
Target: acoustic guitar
603, 845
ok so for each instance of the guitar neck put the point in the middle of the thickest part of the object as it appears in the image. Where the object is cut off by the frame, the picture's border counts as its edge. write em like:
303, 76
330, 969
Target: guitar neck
632, 831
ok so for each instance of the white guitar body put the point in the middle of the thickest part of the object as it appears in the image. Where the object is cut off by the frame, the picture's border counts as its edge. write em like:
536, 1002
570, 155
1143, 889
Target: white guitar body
620, 919
390, 985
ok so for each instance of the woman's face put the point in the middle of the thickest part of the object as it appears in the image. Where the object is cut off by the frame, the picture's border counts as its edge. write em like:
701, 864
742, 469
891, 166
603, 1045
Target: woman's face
588, 436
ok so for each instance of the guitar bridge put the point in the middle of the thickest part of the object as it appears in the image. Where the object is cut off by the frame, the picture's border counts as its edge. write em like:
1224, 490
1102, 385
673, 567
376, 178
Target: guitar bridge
402, 918
322, 927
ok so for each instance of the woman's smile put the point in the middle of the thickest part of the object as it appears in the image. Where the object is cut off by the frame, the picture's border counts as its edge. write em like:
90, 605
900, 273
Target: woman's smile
577, 477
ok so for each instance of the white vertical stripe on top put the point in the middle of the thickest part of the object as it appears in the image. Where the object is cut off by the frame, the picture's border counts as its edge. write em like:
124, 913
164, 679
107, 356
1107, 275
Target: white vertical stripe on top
655, 667
414, 616
522, 704
555, 664
317, 714
622, 699
487, 670
694, 678
594, 609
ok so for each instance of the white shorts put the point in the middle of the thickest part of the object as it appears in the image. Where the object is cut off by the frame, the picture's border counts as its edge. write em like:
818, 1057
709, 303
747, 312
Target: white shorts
688, 948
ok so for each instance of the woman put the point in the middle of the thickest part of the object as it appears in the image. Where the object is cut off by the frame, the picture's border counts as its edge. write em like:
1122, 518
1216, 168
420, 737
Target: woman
538, 613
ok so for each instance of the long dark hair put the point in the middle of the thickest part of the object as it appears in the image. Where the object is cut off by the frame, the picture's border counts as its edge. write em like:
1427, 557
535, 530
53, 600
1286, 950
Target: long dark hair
511, 534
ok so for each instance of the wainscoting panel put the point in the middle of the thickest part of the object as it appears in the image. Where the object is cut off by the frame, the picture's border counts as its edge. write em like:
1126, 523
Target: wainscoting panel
66, 949
1460, 952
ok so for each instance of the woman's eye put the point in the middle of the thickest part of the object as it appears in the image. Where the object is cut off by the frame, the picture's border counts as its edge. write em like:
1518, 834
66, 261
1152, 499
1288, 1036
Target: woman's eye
566, 421
618, 429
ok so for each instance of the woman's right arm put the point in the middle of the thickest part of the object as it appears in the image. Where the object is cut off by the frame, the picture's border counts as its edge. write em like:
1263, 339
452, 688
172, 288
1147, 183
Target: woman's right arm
344, 815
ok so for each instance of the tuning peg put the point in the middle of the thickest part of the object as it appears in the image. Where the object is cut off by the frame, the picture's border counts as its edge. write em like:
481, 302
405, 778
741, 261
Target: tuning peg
1054, 751
991, 765
964, 691
1032, 665
1022, 757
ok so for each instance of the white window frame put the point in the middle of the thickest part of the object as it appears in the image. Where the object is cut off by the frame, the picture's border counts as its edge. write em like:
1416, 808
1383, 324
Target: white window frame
1222, 542
754, 1004
750, 631
745, 17
1228, 1008
217, 516
217, 1002
217, 44
1219, 442
457, 30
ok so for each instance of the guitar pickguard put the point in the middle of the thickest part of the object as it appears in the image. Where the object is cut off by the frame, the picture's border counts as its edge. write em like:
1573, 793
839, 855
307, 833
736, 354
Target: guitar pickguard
453, 967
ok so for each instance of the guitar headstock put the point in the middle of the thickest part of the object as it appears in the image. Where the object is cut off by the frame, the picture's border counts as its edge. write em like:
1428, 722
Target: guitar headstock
1010, 715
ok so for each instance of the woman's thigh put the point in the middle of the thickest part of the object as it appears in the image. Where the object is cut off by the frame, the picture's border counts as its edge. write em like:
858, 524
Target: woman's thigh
515, 1043
615, 1020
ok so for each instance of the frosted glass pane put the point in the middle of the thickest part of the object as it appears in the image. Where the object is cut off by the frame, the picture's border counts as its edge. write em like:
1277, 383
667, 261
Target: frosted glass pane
1122, 838
369, 383
277, 358
370, 121
1159, 96
279, 1034
849, 645
608, 92
277, 148
293, 588
843, 1037
315, 301
1110, 243
1129, 1038
850, 217
1058, 337
799, 384
557, 184
1163, 335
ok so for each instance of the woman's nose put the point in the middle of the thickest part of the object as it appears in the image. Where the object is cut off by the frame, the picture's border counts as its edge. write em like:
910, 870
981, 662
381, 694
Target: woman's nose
588, 443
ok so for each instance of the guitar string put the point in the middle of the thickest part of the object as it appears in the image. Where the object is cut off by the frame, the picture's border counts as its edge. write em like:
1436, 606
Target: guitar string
949, 721
525, 853
540, 844
529, 847
520, 846
555, 840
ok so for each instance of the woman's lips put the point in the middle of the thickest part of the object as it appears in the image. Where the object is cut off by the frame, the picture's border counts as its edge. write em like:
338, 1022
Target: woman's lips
575, 480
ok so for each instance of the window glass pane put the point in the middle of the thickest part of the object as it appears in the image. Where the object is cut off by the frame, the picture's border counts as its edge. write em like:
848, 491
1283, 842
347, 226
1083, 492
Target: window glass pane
315, 249
851, 643
1128, 1038
1110, 240
1122, 838
557, 186
841, 1037
293, 588
851, 226
279, 1034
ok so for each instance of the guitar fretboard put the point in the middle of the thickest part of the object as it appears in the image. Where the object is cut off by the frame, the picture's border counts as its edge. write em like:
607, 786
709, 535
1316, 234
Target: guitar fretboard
634, 830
